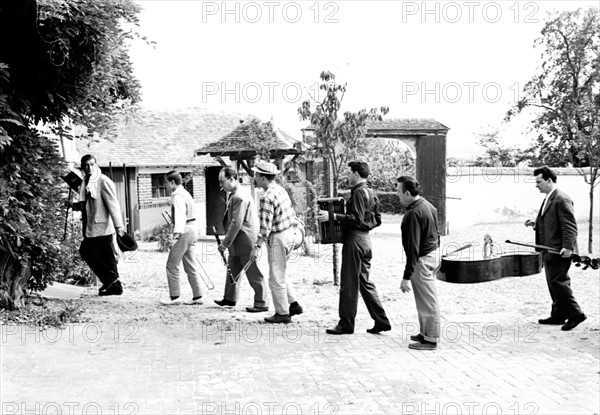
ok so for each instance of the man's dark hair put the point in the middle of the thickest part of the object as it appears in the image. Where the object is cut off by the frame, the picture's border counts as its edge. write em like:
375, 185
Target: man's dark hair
175, 176
410, 185
361, 167
86, 158
229, 173
546, 173
269, 177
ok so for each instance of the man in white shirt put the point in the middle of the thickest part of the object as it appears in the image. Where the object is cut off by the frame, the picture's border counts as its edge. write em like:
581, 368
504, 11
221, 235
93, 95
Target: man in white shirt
185, 233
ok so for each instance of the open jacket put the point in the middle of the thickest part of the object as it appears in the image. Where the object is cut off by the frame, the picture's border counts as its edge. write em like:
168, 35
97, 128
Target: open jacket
241, 222
555, 227
102, 212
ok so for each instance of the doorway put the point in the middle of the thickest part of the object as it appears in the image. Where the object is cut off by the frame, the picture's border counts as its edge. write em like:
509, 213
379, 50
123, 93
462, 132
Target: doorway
215, 201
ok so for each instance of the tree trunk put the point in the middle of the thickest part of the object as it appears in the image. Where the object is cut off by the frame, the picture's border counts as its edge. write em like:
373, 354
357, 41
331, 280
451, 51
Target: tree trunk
15, 275
591, 218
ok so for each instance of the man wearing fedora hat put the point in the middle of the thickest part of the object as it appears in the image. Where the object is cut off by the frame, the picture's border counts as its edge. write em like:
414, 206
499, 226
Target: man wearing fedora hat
276, 216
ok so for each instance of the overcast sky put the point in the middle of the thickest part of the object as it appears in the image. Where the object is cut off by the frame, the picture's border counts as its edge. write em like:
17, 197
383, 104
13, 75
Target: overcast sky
461, 63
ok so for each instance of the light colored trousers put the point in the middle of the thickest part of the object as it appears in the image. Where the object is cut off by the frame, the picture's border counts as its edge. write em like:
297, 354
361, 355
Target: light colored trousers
184, 250
423, 283
279, 246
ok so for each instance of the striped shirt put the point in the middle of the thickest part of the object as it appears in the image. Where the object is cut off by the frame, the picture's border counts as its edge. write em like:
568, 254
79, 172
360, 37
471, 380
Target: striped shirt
276, 212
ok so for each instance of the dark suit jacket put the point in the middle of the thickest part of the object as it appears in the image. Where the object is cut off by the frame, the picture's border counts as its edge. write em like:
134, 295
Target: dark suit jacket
241, 222
555, 226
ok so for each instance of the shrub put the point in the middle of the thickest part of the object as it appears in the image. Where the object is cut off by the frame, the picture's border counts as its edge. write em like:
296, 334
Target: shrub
390, 203
162, 234
73, 270
31, 213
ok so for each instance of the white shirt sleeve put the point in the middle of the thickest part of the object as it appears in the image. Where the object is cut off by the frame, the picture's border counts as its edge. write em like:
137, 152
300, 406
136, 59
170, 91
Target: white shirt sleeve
180, 213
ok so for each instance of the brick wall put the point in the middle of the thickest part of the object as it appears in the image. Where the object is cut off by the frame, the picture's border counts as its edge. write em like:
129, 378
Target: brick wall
199, 188
144, 189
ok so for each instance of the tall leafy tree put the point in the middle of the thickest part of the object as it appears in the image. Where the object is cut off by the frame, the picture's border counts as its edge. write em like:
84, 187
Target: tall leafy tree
388, 159
565, 91
497, 154
67, 59
337, 137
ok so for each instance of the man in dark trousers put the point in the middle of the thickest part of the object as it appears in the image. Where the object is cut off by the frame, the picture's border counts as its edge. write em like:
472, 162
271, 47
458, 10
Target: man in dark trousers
357, 254
421, 240
241, 223
101, 216
556, 228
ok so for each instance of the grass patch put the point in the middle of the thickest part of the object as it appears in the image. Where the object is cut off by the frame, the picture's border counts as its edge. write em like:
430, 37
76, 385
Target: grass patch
44, 313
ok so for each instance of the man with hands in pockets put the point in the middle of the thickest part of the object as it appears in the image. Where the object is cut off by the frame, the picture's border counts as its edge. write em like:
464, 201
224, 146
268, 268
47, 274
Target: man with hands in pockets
421, 241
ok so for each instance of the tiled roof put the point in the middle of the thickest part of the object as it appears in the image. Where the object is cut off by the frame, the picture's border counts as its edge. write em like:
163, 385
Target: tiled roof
407, 124
169, 138
240, 141
402, 124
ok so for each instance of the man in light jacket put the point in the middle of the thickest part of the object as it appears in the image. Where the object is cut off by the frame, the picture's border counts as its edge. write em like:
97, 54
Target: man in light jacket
101, 215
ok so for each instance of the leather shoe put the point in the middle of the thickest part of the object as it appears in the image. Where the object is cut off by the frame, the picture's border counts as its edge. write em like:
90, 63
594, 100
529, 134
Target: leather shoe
424, 345
417, 338
191, 301
278, 318
256, 309
379, 328
294, 311
225, 303
114, 288
551, 320
573, 322
339, 330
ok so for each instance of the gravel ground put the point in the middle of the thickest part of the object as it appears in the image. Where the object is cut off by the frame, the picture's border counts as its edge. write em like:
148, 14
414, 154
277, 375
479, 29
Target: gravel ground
509, 304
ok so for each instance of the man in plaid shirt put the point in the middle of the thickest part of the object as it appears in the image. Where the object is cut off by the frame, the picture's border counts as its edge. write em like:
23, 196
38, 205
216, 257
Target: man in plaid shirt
276, 217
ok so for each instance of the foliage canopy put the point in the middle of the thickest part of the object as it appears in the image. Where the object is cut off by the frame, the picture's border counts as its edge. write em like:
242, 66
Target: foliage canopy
565, 91
67, 60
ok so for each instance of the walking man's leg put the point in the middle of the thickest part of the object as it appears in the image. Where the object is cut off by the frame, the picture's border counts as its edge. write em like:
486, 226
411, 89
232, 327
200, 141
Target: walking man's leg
352, 259
426, 298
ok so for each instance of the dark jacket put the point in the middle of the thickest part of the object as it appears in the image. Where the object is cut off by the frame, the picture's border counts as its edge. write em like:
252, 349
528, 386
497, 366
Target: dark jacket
420, 235
360, 202
555, 227
241, 222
